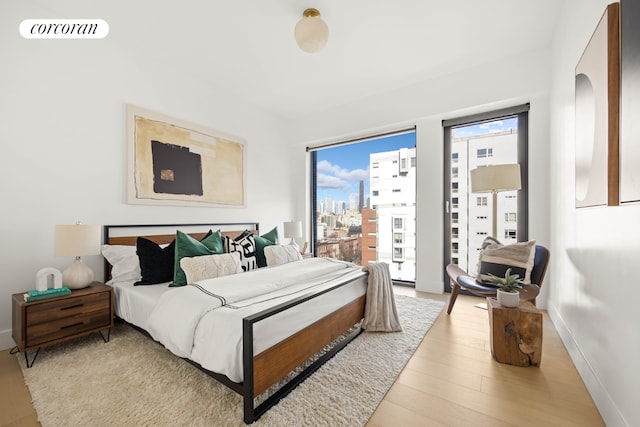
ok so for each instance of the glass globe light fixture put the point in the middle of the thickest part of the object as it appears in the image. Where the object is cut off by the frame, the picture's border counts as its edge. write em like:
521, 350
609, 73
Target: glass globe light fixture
311, 32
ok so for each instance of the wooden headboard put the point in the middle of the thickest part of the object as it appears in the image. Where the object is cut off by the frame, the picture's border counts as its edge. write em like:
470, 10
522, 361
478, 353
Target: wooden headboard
127, 235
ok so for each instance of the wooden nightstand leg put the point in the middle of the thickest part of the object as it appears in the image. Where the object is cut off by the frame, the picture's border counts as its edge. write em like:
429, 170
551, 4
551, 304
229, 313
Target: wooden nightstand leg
26, 358
106, 340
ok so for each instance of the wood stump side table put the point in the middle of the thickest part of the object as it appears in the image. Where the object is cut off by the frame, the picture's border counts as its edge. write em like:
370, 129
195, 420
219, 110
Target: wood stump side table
516, 333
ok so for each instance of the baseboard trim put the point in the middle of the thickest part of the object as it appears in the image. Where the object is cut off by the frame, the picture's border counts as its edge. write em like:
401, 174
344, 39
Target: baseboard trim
6, 342
607, 407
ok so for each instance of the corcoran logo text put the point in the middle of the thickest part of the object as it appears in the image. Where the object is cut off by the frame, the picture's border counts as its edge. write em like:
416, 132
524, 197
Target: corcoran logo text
64, 29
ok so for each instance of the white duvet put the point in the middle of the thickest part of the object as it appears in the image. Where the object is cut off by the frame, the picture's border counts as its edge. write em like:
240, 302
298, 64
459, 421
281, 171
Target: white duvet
203, 321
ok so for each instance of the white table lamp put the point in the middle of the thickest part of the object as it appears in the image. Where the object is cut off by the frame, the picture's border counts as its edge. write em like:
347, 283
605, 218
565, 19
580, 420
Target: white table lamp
77, 240
293, 229
493, 179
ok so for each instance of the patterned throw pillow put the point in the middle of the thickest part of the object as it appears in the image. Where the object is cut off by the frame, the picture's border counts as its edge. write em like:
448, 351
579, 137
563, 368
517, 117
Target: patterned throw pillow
496, 258
267, 239
246, 246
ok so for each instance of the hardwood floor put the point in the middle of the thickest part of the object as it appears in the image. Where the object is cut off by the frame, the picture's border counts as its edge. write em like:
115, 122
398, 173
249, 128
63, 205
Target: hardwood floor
451, 380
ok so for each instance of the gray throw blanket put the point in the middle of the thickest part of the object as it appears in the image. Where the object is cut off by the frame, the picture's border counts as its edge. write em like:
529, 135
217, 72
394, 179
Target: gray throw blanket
380, 312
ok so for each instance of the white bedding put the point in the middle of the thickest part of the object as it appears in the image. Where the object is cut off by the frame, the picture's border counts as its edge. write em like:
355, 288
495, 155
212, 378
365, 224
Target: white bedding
208, 329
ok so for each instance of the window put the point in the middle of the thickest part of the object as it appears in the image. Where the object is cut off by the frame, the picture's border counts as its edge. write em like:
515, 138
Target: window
454, 247
483, 153
483, 139
454, 217
398, 224
413, 162
509, 234
398, 254
387, 201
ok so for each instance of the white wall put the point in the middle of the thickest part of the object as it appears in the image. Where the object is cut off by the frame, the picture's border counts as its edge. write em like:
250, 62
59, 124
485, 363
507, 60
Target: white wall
513, 81
63, 140
593, 303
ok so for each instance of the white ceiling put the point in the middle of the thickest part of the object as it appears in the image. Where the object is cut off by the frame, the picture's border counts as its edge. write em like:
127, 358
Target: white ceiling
247, 47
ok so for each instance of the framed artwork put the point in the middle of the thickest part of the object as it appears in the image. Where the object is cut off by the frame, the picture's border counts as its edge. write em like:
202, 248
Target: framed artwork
172, 162
597, 91
629, 102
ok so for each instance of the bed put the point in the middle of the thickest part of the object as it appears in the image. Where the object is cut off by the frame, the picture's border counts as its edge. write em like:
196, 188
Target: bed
247, 344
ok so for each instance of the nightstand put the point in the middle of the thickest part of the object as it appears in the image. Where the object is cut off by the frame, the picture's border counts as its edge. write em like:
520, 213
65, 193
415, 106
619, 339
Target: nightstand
41, 323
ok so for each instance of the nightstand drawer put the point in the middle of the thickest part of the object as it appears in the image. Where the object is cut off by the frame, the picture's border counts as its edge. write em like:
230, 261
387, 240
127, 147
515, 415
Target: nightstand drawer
49, 321
81, 322
67, 308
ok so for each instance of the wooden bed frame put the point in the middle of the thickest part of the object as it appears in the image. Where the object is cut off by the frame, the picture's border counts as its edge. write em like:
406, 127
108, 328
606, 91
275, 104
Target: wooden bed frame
263, 370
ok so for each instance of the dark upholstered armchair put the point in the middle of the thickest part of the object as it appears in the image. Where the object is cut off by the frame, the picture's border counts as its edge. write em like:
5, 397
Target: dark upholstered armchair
461, 280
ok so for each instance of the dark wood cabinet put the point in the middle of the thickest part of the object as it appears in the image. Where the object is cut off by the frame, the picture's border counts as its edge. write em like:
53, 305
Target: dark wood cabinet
40, 323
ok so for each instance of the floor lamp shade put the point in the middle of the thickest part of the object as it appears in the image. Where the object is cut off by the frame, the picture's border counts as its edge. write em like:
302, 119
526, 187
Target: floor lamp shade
493, 179
77, 240
496, 178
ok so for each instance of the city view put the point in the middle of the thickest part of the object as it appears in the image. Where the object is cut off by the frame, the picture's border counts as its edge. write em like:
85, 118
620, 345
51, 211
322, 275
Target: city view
366, 197
365, 203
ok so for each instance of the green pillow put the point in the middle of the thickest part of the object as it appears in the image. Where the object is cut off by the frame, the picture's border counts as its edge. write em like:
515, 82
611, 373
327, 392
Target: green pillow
187, 246
267, 239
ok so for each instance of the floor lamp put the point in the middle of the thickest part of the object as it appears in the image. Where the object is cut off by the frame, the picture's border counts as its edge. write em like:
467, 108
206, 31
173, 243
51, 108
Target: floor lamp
493, 179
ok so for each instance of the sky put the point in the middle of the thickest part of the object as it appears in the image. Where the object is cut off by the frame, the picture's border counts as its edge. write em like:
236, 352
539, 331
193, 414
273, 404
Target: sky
340, 169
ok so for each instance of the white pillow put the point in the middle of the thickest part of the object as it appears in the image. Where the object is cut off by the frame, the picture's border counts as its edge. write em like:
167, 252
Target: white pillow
125, 265
281, 254
209, 266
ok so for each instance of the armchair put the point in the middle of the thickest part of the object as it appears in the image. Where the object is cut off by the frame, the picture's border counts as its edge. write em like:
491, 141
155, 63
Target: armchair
461, 280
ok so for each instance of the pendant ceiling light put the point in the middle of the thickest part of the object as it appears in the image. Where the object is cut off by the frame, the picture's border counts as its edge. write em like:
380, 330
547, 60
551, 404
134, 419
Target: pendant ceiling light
311, 31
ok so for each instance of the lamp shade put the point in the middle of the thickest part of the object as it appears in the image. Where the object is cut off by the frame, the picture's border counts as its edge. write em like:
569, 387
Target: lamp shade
77, 240
293, 229
496, 178
311, 32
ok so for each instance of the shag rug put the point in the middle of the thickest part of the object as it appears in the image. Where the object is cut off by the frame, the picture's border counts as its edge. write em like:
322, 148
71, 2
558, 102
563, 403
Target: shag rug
134, 381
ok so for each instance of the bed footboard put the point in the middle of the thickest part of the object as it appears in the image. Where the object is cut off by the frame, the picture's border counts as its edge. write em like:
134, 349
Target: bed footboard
267, 368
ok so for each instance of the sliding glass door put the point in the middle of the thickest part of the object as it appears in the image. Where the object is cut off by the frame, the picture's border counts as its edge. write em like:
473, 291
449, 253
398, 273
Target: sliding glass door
495, 138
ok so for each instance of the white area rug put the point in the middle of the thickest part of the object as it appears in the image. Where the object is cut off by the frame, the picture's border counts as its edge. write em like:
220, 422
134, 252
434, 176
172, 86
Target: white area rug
133, 381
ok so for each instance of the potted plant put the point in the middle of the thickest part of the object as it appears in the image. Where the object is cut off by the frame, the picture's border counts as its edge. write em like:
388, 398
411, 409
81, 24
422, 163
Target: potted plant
508, 288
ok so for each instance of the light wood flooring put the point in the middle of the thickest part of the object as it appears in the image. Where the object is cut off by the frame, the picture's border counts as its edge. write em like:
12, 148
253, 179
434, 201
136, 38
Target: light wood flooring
451, 380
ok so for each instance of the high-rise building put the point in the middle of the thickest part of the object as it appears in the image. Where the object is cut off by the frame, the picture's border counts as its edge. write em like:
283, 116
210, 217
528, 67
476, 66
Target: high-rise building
393, 197
472, 213
361, 198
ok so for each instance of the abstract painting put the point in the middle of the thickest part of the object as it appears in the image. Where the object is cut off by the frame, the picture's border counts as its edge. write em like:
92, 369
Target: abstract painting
172, 162
597, 94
